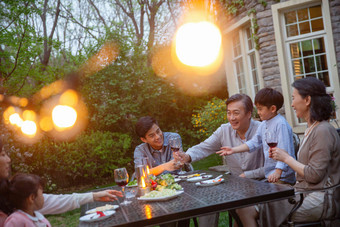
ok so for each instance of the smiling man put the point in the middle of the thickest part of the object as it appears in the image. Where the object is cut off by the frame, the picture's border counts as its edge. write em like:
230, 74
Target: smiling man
155, 146
240, 129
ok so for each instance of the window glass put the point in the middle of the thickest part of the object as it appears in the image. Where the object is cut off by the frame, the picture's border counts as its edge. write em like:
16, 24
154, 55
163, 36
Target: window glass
303, 21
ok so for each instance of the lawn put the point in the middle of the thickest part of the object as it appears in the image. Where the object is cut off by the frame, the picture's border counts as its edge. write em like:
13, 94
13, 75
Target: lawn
71, 218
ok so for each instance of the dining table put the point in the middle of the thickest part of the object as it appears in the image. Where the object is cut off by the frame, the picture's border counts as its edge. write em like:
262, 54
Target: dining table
234, 192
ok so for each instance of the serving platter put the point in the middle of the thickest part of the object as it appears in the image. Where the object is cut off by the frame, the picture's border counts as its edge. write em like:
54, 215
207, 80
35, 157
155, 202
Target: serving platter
163, 198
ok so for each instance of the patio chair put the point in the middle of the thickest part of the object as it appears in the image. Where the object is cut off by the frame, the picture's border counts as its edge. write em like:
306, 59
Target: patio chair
332, 200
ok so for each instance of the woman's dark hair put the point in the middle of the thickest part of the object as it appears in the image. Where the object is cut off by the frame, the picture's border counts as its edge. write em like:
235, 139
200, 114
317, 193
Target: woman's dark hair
246, 100
320, 107
268, 97
144, 124
21, 186
4, 194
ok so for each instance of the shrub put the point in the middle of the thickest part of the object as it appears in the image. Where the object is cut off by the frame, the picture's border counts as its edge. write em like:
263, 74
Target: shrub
93, 156
207, 119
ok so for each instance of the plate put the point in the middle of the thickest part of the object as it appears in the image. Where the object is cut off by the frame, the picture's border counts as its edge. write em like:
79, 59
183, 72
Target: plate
200, 178
210, 182
95, 209
191, 175
96, 217
177, 179
164, 198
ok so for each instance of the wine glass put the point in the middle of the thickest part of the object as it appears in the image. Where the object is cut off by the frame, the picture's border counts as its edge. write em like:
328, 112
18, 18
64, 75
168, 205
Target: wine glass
271, 140
121, 179
176, 145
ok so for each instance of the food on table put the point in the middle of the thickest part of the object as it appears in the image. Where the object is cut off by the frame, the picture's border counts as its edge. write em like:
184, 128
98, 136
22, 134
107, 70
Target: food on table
162, 193
132, 183
191, 175
101, 208
165, 181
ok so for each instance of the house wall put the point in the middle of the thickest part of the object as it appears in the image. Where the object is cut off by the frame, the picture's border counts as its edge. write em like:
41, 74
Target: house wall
335, 18
268, 53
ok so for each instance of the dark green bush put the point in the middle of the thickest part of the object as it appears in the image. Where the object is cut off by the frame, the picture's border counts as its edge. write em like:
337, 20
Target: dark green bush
93, 156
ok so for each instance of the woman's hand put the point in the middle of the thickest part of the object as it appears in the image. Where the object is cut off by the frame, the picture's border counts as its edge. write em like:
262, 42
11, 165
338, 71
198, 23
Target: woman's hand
278, 154
106, 195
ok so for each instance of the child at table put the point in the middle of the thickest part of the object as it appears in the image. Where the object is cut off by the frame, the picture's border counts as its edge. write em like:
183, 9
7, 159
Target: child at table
25, 193
268, 101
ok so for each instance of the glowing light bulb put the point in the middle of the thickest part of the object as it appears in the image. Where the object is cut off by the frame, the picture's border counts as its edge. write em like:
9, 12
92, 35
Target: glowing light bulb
198, 44
29, 128
64, 116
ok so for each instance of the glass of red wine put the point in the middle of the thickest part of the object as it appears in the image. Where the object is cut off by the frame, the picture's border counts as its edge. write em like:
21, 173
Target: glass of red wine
271, 140
176, 145
121, 179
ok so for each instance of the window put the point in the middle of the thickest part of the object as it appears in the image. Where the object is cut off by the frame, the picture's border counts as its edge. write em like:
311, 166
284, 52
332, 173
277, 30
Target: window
238, 64
305, 48
244, 60
305, 36
252, 61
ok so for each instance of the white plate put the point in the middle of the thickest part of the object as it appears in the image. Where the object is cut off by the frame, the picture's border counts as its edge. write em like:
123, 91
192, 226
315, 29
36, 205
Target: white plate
210, 182
190, 176
96, 217
94, 209
200, 178
177, 179
164, 198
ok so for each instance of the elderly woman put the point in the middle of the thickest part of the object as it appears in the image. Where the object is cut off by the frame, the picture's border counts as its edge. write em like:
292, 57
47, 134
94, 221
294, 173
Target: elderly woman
53, 204
318, 159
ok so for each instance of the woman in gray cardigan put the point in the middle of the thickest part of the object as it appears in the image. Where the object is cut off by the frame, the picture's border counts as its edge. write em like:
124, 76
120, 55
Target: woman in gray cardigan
318, 159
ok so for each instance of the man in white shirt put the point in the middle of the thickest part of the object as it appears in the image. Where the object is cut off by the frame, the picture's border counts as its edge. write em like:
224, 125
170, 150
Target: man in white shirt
240, 129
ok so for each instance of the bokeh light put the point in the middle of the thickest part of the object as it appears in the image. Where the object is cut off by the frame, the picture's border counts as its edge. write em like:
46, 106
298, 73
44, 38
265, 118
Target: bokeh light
64, 116
198, 44
69, 98
15, 119
105, 56
29, 128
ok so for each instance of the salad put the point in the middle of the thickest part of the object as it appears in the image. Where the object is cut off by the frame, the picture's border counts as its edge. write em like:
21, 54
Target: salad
164, 181
162, 193
132, 183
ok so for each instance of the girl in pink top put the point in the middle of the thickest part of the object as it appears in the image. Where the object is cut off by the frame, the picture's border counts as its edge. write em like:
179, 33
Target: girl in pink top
26, 196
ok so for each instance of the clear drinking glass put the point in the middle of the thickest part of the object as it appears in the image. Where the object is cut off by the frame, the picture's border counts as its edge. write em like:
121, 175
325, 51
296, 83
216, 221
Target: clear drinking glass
121, 179
176, 146
271, 140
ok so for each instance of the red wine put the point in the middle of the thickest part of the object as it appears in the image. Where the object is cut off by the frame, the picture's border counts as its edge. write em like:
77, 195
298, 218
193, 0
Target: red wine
175, 149
272, 144
122, 183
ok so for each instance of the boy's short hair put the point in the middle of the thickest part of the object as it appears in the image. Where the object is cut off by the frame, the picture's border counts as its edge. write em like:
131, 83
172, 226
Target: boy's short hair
268, 97
144, 124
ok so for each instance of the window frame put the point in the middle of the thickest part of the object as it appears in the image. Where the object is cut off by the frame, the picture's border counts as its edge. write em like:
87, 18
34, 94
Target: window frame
233, 86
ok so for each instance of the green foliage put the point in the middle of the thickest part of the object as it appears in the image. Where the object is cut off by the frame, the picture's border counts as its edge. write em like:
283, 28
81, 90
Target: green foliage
263, 2
233, 6
210, 117
91, 156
